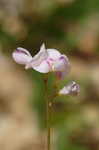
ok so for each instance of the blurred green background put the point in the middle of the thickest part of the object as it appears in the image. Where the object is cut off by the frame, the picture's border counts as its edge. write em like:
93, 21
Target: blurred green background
72, 27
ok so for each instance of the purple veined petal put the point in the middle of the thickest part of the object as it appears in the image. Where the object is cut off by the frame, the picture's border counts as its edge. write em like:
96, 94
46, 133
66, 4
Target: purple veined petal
71, 89
61, 67
61, 64
44, 67
21, 56
58, 63
39, 57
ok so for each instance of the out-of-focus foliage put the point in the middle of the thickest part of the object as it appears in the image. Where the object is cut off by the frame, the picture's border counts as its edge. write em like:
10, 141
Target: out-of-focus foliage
71, 26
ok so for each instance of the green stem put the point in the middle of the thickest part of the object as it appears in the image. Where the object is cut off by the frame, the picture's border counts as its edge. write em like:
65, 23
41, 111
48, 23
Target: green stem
48, 126
48, 113
49, 99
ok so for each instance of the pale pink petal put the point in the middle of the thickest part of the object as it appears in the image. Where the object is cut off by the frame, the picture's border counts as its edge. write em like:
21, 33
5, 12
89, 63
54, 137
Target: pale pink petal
42, 48
61, 64
53, 54
23, 50
44, 67
21, 56
39, 57
71, 89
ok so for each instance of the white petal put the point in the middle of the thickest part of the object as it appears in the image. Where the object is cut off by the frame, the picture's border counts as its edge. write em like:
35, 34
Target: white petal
53, 54
72, 89
42, 48
39, 57
21, 56
44, 67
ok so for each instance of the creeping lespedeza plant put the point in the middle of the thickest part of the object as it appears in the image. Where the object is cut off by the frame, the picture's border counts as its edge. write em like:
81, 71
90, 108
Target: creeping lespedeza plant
48, 60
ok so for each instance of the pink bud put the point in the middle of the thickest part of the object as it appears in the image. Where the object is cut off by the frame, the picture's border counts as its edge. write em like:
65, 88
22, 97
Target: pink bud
70, 89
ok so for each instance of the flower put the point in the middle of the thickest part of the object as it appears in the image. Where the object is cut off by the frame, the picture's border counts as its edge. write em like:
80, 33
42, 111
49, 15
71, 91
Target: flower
71, 89
46, 60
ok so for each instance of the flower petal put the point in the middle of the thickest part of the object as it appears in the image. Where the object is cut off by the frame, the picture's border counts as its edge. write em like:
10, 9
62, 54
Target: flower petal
44, 67
39, 57
21, 56
61, 64
42, 48
72, 89
53, 54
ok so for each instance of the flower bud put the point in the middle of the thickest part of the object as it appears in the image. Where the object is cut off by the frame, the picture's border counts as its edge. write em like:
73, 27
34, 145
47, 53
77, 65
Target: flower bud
70, 89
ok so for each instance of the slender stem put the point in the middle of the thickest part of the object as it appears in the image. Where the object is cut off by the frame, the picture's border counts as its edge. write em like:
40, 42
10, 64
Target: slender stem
49, 102
48, 126
48, 113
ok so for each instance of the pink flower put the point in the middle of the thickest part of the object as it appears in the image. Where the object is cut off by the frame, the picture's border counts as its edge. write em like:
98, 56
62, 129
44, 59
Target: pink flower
46, 60
70, 89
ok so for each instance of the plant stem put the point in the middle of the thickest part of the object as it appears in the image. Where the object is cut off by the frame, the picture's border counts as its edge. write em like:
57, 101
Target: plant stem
48, 114
48, 126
